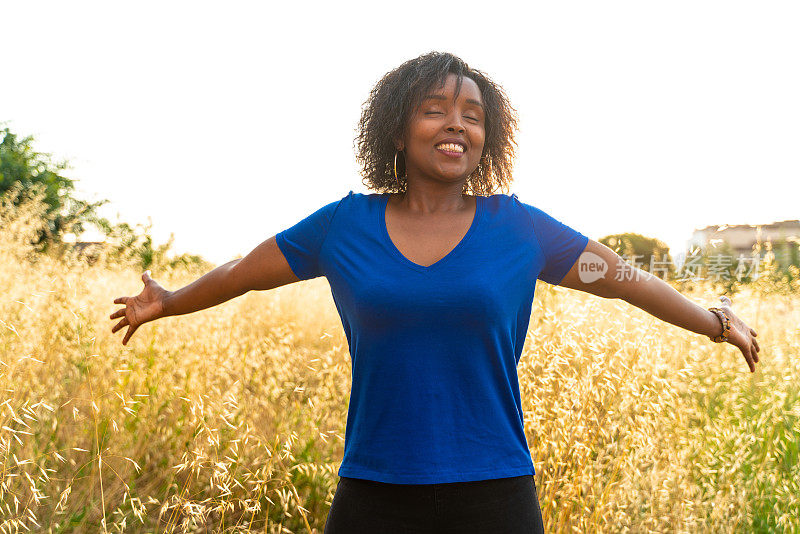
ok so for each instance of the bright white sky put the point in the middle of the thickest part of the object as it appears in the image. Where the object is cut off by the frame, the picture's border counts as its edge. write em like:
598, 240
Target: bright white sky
227, 122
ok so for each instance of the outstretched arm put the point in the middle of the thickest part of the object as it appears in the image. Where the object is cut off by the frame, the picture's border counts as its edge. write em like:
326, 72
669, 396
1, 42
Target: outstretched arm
265, 267
620, 280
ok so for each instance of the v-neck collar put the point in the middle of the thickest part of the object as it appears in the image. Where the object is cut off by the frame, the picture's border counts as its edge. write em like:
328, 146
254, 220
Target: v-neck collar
384, 200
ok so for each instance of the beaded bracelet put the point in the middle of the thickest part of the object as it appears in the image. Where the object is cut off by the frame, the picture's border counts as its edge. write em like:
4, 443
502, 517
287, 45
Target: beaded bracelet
723, 317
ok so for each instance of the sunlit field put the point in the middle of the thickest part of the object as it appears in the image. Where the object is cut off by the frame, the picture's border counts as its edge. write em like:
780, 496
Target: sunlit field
232, 419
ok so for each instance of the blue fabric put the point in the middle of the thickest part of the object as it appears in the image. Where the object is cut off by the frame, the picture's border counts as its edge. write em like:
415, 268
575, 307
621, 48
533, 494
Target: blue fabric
435, 394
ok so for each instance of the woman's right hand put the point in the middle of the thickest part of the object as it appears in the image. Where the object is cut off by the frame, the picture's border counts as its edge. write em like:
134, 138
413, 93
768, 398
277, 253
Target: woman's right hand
146, 306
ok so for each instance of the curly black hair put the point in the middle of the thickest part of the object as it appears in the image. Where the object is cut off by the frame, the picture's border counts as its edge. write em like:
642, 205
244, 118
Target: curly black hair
386, 113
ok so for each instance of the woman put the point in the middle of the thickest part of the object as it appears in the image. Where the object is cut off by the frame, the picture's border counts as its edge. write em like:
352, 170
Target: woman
434, 287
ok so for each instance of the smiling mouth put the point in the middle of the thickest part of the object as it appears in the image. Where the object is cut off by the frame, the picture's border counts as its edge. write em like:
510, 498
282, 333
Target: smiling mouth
450, 153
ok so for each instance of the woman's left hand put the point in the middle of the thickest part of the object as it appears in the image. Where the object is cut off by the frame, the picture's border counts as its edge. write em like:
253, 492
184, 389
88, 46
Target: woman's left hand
742, 336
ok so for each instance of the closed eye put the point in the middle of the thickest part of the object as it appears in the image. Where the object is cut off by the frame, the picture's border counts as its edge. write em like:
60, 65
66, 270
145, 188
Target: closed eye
440, 113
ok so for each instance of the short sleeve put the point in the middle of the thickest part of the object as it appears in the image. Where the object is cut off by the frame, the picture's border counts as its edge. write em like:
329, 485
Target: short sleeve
561, 244
301, 244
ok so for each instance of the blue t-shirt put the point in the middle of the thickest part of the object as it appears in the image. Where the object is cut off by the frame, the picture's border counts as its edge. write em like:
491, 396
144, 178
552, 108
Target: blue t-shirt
434, 350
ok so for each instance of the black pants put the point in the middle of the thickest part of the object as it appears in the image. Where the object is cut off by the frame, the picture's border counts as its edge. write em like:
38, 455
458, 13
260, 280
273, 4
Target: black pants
497, 506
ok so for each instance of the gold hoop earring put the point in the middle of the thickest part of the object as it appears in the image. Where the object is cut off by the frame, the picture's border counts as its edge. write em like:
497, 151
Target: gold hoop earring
395, 167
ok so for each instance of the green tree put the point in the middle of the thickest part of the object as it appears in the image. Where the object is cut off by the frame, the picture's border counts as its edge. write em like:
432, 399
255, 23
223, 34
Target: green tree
133, 245
23, 167
28, 176
643, 250
787, 252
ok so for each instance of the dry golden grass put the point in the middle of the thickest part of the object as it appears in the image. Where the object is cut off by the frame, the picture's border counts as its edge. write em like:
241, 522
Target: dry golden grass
232, 419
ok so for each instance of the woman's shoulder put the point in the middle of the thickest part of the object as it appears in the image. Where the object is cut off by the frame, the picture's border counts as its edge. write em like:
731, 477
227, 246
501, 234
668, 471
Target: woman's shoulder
513, 202
362, 197
503, 202
353, 204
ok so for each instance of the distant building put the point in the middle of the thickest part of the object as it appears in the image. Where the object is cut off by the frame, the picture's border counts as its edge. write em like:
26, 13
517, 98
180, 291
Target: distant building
743, 237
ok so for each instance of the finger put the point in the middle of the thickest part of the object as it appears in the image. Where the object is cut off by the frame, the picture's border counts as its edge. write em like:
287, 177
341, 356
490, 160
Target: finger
749, 359
758, 349
119, 313
753, 333
754, 353
128, 334
121, 300
146, 276
122, 322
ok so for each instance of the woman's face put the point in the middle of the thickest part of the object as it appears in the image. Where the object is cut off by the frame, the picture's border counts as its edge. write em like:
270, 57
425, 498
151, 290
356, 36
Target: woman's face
441, 117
